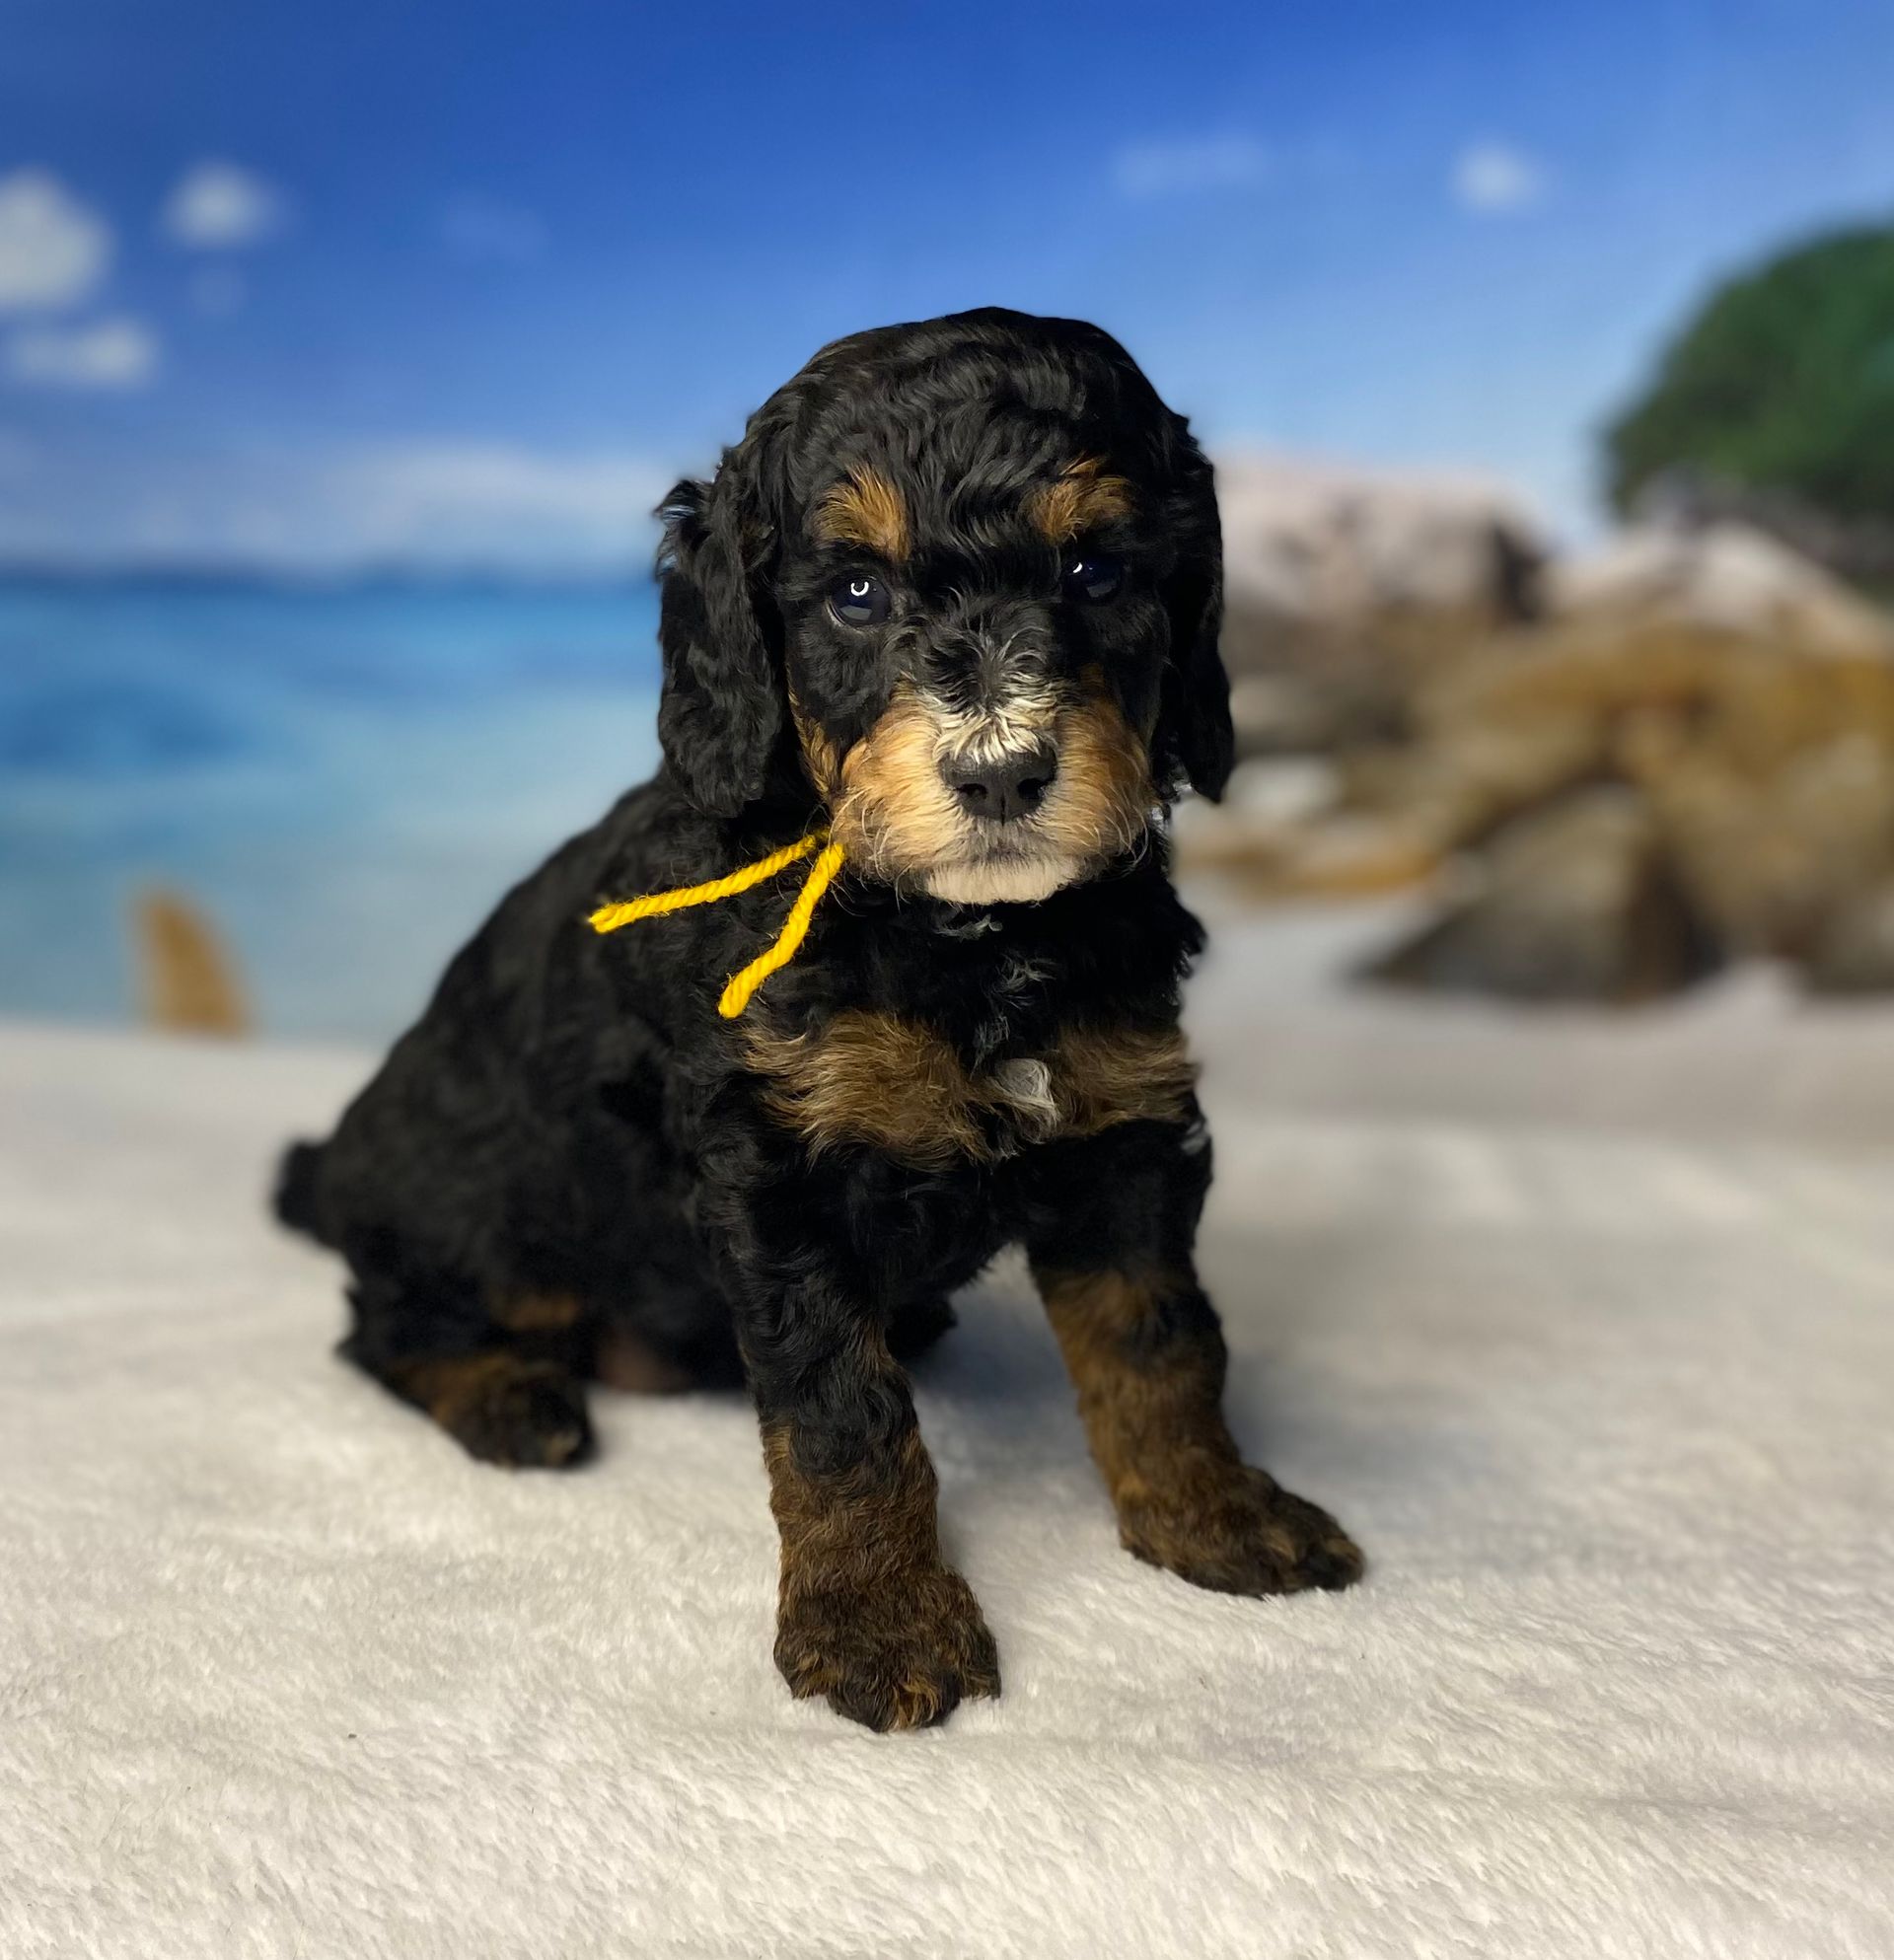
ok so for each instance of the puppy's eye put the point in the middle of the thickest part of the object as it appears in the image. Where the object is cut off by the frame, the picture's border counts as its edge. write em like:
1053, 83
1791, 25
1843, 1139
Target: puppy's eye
1094, 578
859, 600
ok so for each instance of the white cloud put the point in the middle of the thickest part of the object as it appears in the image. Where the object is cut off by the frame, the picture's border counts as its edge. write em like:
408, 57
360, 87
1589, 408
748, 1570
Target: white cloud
486, 231
441, 503
53, 250
104, 353
1493, 176
478, 498
1172, 169
220, 206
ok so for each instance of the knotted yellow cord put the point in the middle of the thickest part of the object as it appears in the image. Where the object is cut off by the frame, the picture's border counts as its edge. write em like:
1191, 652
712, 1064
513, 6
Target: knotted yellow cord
742, 987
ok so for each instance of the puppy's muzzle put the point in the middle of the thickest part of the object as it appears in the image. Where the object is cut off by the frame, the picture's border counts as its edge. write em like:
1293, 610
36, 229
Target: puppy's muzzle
1005, 787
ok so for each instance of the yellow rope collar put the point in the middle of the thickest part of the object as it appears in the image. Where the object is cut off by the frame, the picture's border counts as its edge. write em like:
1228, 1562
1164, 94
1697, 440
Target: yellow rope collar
742, 987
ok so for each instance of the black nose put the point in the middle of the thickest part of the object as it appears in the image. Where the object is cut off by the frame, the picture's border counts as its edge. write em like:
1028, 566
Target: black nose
1004, 790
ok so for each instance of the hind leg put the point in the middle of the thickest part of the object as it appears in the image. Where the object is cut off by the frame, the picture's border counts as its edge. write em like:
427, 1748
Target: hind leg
503, 1383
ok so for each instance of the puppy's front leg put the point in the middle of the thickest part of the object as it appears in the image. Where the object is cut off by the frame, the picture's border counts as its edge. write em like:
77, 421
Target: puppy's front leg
1112, 1253
868, 1614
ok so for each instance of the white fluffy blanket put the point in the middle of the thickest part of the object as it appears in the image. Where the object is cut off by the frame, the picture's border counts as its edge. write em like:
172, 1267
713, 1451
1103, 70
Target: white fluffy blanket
282, 1673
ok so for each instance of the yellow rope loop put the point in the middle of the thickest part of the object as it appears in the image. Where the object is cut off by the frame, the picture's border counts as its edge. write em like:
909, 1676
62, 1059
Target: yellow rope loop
607, 919
742, 987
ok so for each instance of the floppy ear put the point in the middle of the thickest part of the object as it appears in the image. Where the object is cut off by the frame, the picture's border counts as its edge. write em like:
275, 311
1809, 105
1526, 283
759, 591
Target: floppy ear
721, 711
1193, 738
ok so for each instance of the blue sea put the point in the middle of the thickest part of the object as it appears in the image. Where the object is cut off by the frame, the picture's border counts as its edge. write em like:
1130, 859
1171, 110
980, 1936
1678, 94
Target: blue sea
345, 778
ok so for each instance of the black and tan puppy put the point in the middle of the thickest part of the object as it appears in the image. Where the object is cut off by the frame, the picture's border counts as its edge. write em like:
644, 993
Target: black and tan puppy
954, 597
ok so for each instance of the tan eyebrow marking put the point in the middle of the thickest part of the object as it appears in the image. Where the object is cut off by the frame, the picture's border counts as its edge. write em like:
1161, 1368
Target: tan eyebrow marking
1079, 499
864, 509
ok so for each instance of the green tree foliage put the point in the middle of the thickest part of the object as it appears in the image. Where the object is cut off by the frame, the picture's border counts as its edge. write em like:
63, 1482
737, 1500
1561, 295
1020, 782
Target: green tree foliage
1784, 382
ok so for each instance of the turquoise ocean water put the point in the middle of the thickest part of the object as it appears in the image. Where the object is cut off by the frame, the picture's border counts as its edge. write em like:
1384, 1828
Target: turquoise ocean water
345, 778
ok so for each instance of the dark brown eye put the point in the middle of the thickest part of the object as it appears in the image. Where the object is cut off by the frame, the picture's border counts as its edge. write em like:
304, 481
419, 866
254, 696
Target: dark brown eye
1094, 578
859, 599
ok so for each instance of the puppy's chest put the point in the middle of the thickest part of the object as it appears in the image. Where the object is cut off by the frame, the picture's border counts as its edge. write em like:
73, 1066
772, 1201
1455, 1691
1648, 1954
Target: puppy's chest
991, 1083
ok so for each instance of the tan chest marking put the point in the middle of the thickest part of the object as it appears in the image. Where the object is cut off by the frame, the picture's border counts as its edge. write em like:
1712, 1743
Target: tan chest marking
867, 1077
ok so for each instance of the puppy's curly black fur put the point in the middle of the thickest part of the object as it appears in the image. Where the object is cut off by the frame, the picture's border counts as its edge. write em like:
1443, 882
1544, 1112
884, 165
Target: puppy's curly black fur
956, 595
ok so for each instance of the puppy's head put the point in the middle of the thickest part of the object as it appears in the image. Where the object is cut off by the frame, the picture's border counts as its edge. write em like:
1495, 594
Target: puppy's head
964, 578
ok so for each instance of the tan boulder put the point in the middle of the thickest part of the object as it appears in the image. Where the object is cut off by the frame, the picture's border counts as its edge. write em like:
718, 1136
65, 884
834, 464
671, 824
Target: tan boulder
1728, 663
1853, 952
1744, 696
1576, 903
1724, 577
1769, 859
188, 977
1345, 587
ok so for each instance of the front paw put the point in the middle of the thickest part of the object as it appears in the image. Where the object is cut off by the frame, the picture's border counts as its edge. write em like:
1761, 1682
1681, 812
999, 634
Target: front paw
900, 1651
1234, 1529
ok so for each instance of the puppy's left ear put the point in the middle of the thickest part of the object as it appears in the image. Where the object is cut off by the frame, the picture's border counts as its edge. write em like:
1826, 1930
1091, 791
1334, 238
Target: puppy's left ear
1195, 739
721, 712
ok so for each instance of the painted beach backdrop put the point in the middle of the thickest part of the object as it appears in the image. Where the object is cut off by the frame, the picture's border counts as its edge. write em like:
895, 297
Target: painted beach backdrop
348, 300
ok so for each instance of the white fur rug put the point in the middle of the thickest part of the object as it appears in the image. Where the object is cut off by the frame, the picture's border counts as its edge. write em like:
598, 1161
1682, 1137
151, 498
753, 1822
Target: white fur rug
283, 1674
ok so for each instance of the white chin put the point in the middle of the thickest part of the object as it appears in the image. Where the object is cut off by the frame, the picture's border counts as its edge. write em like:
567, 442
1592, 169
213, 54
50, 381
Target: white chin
1016, 882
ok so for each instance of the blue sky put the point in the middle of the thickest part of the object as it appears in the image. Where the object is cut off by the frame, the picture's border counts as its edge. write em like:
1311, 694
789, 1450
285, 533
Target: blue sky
321, 282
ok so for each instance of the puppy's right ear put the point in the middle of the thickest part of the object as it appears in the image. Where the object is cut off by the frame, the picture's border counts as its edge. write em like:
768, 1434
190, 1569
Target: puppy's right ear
721, 711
